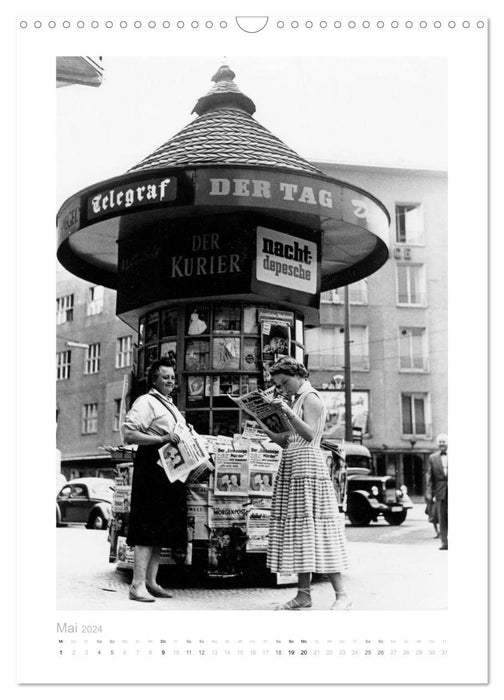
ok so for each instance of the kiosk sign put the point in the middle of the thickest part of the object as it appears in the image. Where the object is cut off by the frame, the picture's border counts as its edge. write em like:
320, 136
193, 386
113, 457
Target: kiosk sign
262, 189
142, 193
286, 261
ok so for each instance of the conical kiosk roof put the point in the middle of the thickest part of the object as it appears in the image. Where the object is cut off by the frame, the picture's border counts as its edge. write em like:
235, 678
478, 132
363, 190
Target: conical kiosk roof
224, 166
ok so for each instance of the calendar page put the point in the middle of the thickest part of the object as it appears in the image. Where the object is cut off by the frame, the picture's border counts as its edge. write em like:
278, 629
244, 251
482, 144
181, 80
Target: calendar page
215, 163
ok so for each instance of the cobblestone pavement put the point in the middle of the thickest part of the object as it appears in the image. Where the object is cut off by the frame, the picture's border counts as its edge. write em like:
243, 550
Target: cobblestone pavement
391, 568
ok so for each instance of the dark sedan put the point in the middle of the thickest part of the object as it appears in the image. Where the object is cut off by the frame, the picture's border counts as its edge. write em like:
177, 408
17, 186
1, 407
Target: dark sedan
363, 495
86, 501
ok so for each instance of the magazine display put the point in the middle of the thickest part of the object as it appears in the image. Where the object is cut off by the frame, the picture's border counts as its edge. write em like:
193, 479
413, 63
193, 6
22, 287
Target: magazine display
258, 405
263, 463
257, 529
231, 471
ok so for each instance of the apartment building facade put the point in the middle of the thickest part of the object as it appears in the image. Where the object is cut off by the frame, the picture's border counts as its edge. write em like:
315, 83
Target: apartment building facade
398, 327
94, 363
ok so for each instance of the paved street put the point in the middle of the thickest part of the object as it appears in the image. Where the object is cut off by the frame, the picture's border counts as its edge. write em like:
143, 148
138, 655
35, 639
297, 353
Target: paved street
391, 568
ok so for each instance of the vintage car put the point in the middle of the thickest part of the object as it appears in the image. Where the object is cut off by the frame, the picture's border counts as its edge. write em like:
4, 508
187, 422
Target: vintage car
362, 495
87, 501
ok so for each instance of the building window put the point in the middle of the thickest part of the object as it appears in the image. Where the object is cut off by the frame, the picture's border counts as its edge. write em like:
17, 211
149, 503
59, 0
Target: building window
415, 415
411, 285
95, 300
92, 359
64, 309
89, 418
63, 364
413, 349
123, 352
117, 415
357, 294
409, 224
326, 348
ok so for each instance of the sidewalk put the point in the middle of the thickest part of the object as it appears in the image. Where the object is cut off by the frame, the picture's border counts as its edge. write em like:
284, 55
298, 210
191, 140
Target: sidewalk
389, 575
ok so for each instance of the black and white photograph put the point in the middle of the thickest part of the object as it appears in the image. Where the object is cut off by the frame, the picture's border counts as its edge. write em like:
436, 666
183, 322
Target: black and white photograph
382, 297
279, 221
381, 205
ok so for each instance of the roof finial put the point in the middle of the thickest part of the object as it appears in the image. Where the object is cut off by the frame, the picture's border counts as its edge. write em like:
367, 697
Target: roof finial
223, 73
225, 93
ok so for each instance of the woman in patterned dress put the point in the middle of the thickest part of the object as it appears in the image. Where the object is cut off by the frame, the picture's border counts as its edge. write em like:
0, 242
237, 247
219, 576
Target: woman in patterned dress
307, 531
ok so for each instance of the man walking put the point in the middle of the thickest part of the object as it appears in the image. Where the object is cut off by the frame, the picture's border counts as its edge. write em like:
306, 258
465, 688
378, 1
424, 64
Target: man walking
436, 486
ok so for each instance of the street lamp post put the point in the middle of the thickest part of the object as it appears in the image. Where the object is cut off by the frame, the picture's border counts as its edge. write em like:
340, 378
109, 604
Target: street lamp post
348, 370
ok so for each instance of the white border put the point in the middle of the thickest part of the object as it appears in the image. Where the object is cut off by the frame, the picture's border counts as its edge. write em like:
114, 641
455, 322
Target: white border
35, 261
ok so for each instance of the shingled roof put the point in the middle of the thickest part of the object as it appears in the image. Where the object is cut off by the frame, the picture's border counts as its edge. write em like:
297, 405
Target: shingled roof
225, 133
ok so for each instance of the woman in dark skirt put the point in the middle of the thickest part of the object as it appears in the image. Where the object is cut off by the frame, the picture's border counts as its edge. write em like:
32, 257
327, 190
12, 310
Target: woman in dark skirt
158, 507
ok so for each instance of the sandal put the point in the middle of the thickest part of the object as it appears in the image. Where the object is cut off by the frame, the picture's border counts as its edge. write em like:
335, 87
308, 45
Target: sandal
342, 603
294, 604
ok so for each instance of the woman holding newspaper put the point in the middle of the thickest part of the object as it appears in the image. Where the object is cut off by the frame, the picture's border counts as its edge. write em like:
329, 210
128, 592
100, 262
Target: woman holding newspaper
158, 507
307, 531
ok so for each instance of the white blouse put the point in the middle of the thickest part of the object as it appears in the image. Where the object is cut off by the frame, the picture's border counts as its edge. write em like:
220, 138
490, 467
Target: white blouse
150, 415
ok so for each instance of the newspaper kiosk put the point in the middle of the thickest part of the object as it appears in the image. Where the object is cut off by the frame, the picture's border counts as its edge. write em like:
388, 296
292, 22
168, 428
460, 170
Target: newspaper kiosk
219, 244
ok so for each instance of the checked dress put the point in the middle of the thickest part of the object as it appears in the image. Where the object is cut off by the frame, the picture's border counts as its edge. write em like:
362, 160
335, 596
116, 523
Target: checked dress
307, 531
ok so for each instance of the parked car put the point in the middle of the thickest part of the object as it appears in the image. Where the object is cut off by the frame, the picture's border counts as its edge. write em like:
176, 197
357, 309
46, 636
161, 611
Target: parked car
87, 500
363, 495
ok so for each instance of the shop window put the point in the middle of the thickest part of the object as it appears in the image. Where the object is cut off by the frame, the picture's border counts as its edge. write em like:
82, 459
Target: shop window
168, 323
92, 365
198, 390
409, 224
64, 309
226, 353
415, 415
89, 418
198, 320
124, 352
325, 347
249, 383
227, 320
223, 354
223, 387
151, 354
410, 285
152, 328
250, 324
413, 349
95, 300
169, 349
197, 355
63, 360
141, 332
251, 354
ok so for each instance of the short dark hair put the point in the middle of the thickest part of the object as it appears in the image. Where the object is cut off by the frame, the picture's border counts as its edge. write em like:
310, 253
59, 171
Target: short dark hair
153, 370
290, 366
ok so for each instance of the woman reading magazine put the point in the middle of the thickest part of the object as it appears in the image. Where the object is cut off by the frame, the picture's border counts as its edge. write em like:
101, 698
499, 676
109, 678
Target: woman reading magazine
307, 531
